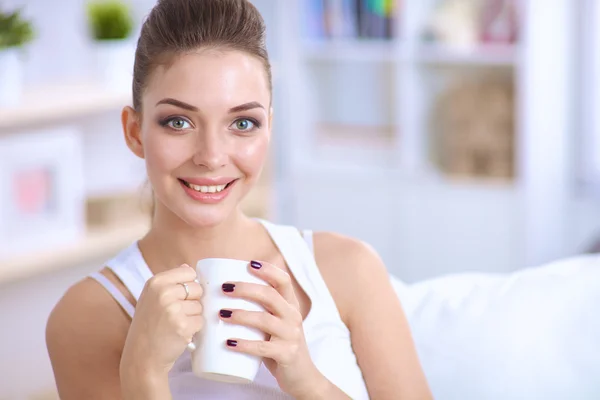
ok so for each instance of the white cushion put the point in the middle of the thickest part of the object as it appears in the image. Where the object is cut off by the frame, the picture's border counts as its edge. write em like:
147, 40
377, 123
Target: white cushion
532, 334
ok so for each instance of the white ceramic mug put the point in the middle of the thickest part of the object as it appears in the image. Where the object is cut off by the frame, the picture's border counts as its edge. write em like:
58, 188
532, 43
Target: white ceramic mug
213, 359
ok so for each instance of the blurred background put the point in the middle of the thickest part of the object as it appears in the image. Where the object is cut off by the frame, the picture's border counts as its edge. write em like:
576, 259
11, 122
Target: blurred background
452, 135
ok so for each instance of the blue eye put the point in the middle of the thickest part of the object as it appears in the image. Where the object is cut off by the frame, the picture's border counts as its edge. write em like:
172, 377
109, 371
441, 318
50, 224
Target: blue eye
177, 123
245, 124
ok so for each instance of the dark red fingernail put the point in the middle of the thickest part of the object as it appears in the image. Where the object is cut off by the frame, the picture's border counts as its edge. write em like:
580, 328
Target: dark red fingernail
228, 287
255, 264
225, 313
231, 343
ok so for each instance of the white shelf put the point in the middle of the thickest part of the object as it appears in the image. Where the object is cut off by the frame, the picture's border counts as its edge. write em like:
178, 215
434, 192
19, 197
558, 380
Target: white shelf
354, 146
98, 243
365, 50
55, 103
369, 50
483, 56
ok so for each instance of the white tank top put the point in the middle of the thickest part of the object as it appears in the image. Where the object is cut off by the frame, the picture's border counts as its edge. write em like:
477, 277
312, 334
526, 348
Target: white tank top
327, 336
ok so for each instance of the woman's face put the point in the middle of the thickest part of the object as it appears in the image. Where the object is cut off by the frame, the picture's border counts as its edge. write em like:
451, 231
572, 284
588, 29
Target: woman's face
204, 133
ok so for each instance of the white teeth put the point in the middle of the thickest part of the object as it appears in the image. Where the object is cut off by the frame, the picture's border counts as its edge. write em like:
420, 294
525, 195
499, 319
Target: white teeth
207, 189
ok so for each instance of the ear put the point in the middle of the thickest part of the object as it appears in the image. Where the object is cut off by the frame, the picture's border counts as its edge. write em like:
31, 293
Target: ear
132, 128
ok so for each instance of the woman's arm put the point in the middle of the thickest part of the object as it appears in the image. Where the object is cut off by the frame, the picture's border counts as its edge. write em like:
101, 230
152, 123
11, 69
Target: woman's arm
85, 335
368, 304
97, 353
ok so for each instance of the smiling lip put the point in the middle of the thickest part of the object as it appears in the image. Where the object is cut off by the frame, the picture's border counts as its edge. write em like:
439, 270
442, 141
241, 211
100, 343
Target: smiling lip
221, 180
208, 198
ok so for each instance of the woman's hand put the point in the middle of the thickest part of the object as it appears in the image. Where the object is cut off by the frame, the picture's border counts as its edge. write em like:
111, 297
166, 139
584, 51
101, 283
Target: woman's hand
285, 353
166, 318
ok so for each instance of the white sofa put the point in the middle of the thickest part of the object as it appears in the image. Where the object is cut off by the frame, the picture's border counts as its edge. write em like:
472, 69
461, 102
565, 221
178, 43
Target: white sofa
532, 334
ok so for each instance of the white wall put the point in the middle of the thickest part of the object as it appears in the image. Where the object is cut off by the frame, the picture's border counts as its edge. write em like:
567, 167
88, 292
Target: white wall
421, 229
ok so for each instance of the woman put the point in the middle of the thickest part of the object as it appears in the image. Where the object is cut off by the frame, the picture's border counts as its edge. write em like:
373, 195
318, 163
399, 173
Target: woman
201, 120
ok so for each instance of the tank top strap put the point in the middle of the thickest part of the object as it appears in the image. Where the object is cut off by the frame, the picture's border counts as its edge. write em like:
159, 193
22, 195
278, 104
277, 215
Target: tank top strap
131, 269
307, 234
301, 262
114, 292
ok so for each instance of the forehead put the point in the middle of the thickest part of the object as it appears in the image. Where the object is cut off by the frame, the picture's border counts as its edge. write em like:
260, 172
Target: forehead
210, 79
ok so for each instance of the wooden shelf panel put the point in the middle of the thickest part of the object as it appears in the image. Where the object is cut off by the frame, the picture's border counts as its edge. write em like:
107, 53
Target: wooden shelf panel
51, 104
97, 243
258, 202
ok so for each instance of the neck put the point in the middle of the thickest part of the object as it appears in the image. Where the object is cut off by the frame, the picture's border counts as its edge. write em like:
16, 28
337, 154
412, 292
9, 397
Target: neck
172, 242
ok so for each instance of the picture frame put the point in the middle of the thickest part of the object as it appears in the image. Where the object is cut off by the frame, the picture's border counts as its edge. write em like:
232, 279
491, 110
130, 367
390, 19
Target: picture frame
42, 193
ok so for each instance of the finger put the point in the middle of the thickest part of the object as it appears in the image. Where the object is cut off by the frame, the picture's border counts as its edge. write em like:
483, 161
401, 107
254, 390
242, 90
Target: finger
192, 308
194, 290
259, 348
260, 320
183, 273
193, 325
276, 277
265, 295
184, 325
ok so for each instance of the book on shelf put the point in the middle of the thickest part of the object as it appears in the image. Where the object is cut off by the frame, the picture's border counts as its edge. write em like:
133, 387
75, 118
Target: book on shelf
350, 19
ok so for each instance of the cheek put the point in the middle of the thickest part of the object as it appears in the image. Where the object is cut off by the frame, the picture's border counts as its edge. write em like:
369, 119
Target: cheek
163, 152
251, 156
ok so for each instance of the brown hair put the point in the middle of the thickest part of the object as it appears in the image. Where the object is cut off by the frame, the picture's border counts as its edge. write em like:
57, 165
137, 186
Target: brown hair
175, 27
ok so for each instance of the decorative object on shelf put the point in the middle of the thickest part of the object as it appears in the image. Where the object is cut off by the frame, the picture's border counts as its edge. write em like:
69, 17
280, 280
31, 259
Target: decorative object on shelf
454, 23
111, 25
499, 22
15, 33
350, 19
466, 24
473, 129
41, 190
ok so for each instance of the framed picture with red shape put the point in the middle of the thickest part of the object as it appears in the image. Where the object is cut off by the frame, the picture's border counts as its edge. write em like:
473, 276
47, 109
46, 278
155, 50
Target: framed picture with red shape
42, 193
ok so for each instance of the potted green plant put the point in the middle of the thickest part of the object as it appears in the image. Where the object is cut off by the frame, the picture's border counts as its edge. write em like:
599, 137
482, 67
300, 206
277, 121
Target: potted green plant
15, 33
111, 26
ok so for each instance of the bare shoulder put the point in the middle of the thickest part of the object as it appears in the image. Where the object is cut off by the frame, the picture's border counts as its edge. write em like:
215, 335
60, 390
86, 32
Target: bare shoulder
349, 267
336, 253
85, 307
360, 285
336, 245
85, 334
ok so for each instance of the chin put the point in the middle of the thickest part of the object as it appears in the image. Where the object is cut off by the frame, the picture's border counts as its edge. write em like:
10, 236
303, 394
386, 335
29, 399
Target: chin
205, 216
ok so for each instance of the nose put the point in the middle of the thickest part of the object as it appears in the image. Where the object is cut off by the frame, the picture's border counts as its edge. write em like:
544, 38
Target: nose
211, 150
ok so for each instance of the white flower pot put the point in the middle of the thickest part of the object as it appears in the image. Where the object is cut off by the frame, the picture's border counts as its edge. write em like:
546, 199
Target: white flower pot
11, 77
114, 63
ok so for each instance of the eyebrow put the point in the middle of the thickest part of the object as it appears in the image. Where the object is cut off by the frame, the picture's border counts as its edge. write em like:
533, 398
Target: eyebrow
178, 103
246, 107
243, 107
